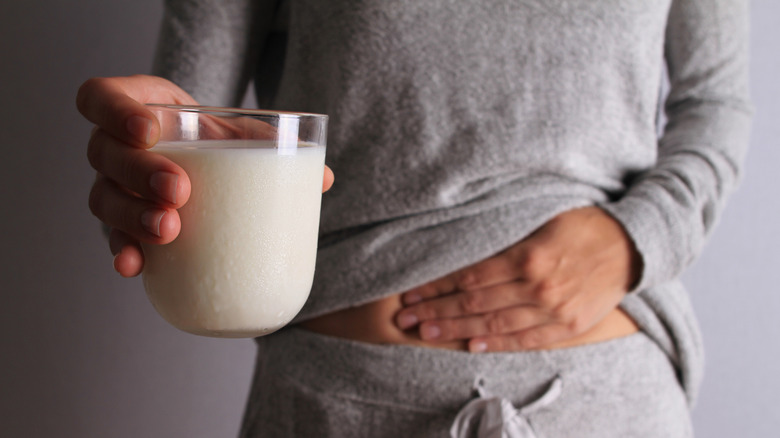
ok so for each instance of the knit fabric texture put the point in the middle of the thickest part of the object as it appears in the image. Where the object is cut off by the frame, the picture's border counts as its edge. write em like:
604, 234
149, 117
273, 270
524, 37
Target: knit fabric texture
458, 128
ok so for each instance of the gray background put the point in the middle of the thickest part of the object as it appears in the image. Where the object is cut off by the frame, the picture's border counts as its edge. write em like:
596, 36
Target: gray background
84, 354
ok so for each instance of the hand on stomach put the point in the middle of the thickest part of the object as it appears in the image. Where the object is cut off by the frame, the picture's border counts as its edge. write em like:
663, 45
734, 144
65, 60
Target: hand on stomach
559, 287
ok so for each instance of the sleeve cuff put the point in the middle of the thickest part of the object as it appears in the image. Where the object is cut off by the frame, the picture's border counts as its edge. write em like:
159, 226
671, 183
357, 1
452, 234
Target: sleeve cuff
652, 230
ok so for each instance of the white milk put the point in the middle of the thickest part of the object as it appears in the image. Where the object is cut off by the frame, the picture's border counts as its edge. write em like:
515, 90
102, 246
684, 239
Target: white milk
244, 261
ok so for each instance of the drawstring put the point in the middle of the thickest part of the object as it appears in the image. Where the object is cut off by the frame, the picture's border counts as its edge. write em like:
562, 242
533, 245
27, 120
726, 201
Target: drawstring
495, 417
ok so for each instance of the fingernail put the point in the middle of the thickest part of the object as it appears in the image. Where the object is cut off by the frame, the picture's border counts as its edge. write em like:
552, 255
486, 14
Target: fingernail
140, 128
151, 219
430, 331
116, 267
477, 346
412, 298
164, 185
407, 320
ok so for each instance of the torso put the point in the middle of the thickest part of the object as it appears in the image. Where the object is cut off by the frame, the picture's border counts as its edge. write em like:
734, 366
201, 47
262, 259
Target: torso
456, 128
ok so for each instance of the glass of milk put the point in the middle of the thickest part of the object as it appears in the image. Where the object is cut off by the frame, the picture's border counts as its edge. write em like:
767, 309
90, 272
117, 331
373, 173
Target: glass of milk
243, 263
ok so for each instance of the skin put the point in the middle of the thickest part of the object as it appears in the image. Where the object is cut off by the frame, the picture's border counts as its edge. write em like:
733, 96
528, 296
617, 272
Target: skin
554, 286
136, 193
558, 287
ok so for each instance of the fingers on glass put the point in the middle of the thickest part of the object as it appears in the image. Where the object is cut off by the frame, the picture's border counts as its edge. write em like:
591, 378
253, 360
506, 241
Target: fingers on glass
139, 218
148, 174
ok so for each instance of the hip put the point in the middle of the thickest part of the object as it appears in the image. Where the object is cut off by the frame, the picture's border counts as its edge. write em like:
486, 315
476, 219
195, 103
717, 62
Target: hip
307, 384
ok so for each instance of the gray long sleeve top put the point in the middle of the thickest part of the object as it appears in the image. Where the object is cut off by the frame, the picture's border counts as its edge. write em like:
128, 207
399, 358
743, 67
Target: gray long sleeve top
457, 128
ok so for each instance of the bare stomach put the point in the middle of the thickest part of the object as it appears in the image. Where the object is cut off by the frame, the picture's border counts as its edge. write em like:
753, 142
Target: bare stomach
374, 323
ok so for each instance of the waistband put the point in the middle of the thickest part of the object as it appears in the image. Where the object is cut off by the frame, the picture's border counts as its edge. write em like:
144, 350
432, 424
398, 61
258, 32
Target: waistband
435, 379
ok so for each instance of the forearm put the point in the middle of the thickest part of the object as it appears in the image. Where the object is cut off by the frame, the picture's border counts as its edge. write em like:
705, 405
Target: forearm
670, 209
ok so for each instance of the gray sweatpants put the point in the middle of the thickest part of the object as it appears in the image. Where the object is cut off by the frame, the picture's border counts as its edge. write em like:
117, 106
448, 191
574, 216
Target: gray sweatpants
310, 385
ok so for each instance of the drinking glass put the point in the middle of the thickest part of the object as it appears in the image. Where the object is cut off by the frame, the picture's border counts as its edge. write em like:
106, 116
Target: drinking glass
243, 263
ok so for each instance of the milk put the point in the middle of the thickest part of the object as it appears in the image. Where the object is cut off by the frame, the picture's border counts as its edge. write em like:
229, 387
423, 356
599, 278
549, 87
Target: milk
244, 261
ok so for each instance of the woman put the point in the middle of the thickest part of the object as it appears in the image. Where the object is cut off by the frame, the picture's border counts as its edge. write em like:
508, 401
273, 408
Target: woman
502, 249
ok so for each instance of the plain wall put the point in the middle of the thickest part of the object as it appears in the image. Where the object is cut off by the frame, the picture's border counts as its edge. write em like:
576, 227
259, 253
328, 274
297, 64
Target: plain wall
85, 355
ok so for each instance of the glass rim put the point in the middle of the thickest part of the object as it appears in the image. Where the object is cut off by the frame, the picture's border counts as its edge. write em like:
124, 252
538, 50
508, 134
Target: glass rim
207, 109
